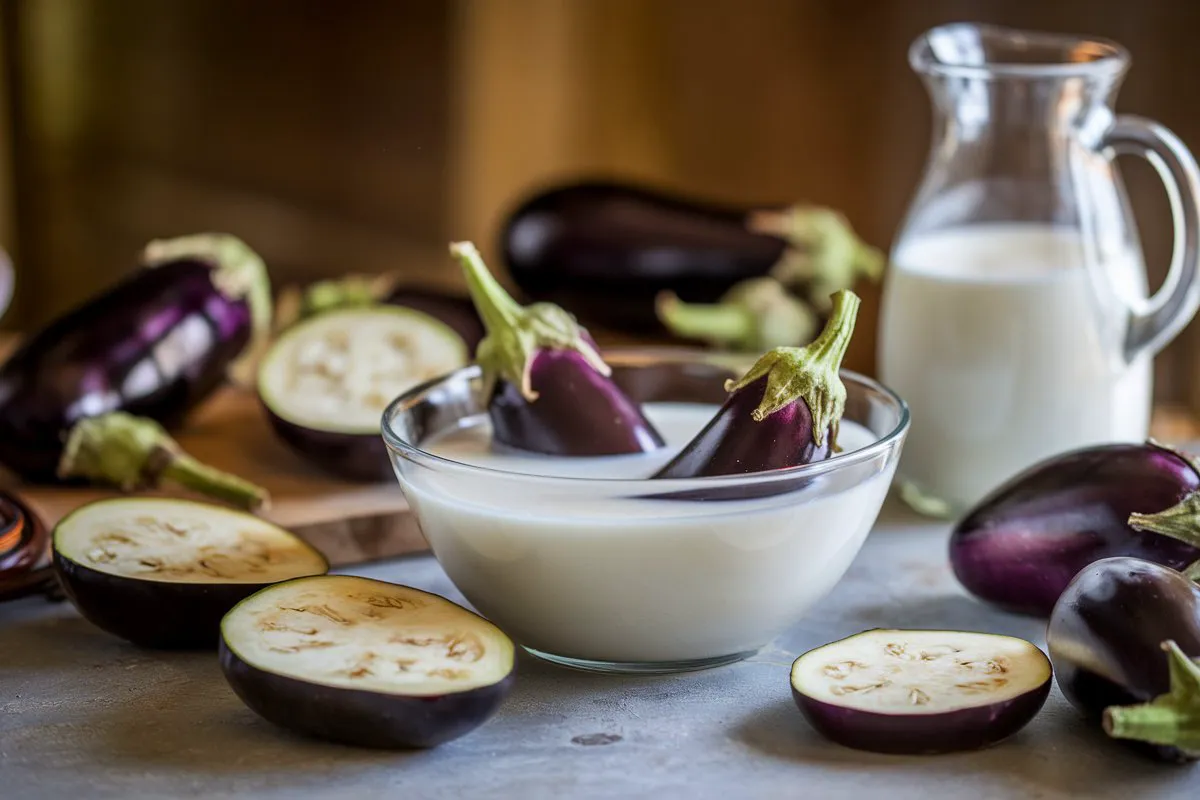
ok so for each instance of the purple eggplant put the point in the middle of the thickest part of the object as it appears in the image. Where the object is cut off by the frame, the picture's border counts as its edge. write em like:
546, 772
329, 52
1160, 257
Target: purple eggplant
607, 249
153, 346
455, 310
365, 662
921, 691
1122, 638
784, 412
548, 389
326, 381
1021, 545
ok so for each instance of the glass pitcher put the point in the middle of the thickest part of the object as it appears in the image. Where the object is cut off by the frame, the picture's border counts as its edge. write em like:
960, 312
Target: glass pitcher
1016, 319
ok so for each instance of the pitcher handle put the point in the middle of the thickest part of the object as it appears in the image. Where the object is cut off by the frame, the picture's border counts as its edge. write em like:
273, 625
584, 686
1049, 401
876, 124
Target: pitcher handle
1163, 316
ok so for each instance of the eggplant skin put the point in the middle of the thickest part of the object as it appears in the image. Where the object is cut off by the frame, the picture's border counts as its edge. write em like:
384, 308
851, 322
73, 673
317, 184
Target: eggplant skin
153, 614
358, 717
606, 249
153, 345
732, 443
578, 411
1020, 547
355, 457
923, 734
1106, 632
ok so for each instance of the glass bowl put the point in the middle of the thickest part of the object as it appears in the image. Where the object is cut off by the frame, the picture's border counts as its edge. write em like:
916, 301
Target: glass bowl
637, 575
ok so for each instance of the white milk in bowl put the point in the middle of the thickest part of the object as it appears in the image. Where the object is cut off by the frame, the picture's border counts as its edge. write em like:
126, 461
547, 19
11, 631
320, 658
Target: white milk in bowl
604, 576
996, 336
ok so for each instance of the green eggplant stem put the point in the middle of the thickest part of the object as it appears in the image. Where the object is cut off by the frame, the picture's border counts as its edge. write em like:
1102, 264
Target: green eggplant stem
516, 333
714, 322
132, 453
1181, 521
1172, 719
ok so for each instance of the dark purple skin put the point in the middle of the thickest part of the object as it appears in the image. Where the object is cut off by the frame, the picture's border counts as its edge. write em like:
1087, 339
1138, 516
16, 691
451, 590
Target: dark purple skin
358, 717
26, 539
454, 310
577, 412
355, 457
153, 614
1022, 545
1106, 632
732, 443
923, 734
154, 345
605, 250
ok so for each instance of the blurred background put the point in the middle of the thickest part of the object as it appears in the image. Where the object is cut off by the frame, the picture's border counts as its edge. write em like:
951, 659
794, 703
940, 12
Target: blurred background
361, 135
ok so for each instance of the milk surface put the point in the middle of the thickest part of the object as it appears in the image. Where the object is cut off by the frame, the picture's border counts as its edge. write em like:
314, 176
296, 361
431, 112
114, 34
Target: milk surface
1007, 352
599, 574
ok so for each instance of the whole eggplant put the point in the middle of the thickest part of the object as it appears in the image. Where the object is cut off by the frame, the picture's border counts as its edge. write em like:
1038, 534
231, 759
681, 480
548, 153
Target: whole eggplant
1106, 638
783, 413
548, 389
608, 249
455, 310
152, 346
1021, 545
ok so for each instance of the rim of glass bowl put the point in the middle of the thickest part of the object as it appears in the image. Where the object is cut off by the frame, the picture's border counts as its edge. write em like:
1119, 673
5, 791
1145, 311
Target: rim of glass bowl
653, 355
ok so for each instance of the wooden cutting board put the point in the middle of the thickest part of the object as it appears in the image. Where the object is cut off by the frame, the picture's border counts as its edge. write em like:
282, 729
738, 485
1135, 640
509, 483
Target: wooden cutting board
349, 522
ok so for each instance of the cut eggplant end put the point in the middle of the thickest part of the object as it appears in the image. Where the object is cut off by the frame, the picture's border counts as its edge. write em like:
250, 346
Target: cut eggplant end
365, 662
162, 572
337, 372
921, 691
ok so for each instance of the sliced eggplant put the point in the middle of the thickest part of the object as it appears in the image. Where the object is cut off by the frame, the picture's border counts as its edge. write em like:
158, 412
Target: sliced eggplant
921, 691
365, 662
326, 382
162, 572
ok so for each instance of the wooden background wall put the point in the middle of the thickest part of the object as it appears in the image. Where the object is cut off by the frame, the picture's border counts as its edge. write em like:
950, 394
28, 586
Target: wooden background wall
362, 134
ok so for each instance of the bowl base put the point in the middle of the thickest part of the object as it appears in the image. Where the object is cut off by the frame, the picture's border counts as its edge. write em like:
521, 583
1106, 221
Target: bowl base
640, 667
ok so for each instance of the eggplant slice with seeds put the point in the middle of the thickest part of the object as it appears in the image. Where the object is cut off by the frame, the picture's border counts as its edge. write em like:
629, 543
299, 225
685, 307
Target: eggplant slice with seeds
921, 691
365, 662
163, 572
327, 380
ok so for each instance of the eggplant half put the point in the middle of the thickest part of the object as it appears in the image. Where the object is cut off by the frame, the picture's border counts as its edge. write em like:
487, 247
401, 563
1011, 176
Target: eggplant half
1022, 544
162, 572
608, 250
326, 381
364, 662
154, 345
921, 691
548, 389
1122, 638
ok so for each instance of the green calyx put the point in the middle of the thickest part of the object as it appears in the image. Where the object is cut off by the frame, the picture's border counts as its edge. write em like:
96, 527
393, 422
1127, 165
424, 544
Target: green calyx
824, 254
756, 314
1172, 719
515, 333
238, 272
809, 373
1181, 521
134, 453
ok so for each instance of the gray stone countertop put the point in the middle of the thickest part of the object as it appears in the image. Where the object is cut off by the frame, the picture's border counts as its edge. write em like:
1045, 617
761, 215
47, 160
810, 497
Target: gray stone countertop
84, 715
